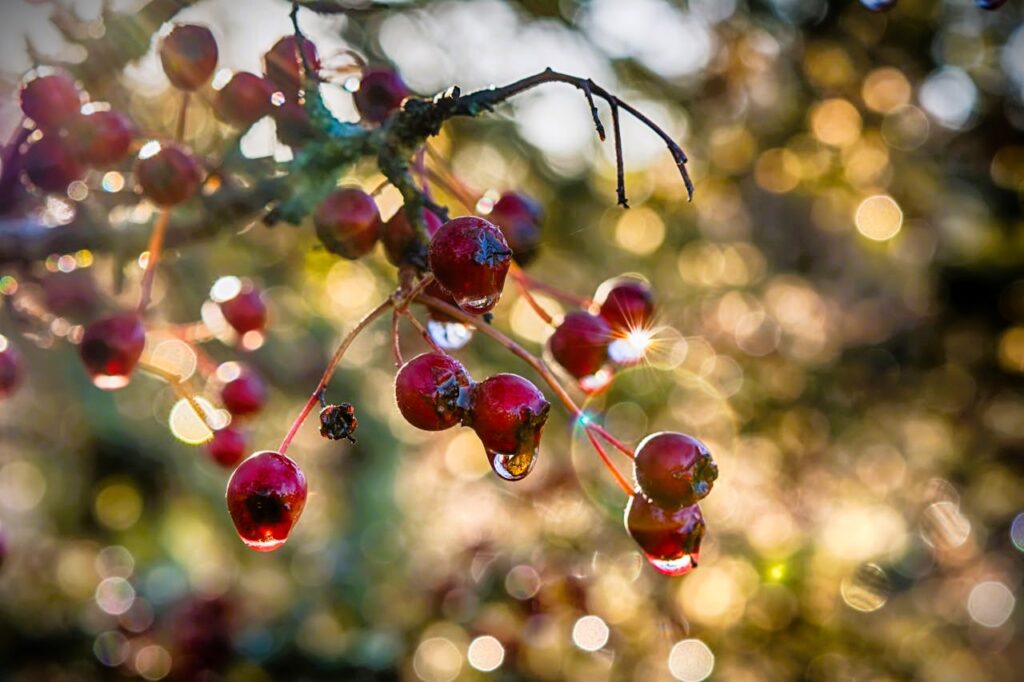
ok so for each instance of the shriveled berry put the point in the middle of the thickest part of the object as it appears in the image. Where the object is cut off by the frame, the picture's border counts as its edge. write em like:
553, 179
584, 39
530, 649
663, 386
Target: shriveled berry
265, 496
348, 222
227, 447
283, 64
580, 343
674, 469
519, 218
244, 99
110, 349
51, 165
401, 245
245, 311
470, 258
294, 128
381, 92
51, 101
508, 415
245, 394
102, 138
669, 538
626, 305
338, 421
432, 391
189, 56
167, 174
10, 367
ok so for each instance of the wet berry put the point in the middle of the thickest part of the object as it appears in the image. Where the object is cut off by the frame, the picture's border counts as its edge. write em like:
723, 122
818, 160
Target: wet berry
470, 258
509, 414
110, 349
244, 99
669, 538
401, 246
245, 394
51, 165
265, 497
673, 469
293, 125
519, 218
52, 101
102, 138
227, 447
10, 367
626, 305
167, 174
189, 56
348, 222
432, 391
381, 92
580, 343
283, 65
245, 311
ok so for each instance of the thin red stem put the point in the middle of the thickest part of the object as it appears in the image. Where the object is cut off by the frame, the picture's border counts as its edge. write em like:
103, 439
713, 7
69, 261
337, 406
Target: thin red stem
616, 474
423, 331
396, 345
619, 445
525, 291
553, 291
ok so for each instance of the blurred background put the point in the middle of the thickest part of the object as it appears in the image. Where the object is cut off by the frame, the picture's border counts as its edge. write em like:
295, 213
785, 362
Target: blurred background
844, 313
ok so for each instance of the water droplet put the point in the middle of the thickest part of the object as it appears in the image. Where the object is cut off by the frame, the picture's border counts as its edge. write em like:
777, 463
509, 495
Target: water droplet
478, 305
678, 566
267, 545
597, 382
513, 467
449, 335
110, 382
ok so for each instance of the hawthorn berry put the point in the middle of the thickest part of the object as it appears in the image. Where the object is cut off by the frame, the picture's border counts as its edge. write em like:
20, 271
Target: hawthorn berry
245, 311
674, 469
509, 414
167, 174
580, 343
669, 538
294, 128
51, 165
282, 64
519, 218
10, 367
102, 138
470, 258
626, 305
110, 349
381, 92
51, 101
189, 56
401, 245
265, 496
433, 391
348, 222
878, 5
244, 99
227, 447
245, 394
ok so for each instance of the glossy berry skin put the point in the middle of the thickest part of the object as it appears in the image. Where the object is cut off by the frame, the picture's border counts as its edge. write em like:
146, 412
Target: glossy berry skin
110, 349
519, 218
189, 56
628, 305
990, 4
102, 138
245, 394
227, 447
432, 391
293, 125
348, 222
168, 177
669, 538
283, 65
580, 343
265, 496
470, 259
381, 92
673, 469
51, 165
246, 312
10, 367
401, 246
878, 5
244, 100
509, 414
52, 101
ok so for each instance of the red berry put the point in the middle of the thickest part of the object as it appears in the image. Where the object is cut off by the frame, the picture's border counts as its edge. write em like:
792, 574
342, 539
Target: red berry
400, 240
51, 101
244, 100
470, 258
265, 497
580, 343
348, 222
508, 414
381, 91
246, 311
519, 218
227, 447
102, 138
673, 469
283, 65
432, 391
189, 56
293, 125
10, 367
51, 165
245, 394
168, 176
626, 304
110, 349
670, 538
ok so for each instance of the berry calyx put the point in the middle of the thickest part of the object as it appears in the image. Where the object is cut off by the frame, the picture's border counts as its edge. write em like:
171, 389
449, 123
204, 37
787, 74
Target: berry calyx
470, 259
626, 305
265, 496
674, 469
519, 218
227, 447
245, 394
282, 64
401, 245
102, 138
245, 311
10, 367
433, 391
51, 101
381, 92
669, 538
348, 222
189, 56
110, 349
338, 421
51, 165
580, 343
508, 415
244, 99
167, 174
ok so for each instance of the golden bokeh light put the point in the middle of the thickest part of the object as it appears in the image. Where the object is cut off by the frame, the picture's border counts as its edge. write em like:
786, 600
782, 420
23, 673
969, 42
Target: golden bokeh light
879, 218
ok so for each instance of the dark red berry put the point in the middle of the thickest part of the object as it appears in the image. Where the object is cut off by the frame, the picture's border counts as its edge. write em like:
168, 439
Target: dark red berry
381, 91
519, 218
102, 138
293, 125
168, 176
110, 349
673, 469
470, 258
670, 538
432, 391
509, 414
283, 65
244, 100
265, 497
435, 290
189, 56
10, 367
245, 394
227, 447
246, 311
51, 165
401, 245
627, 305
52, 102
348, 222
580, 343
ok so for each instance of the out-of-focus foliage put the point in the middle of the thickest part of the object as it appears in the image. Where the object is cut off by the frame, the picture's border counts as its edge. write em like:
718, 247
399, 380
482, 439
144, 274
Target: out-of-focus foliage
844, 304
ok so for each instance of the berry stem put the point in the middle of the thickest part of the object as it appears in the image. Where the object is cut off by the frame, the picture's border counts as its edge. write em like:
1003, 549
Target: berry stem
439, 179
180, 387
525, 291
618, 444
423, 331
616, 474
565, 296
396, 345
